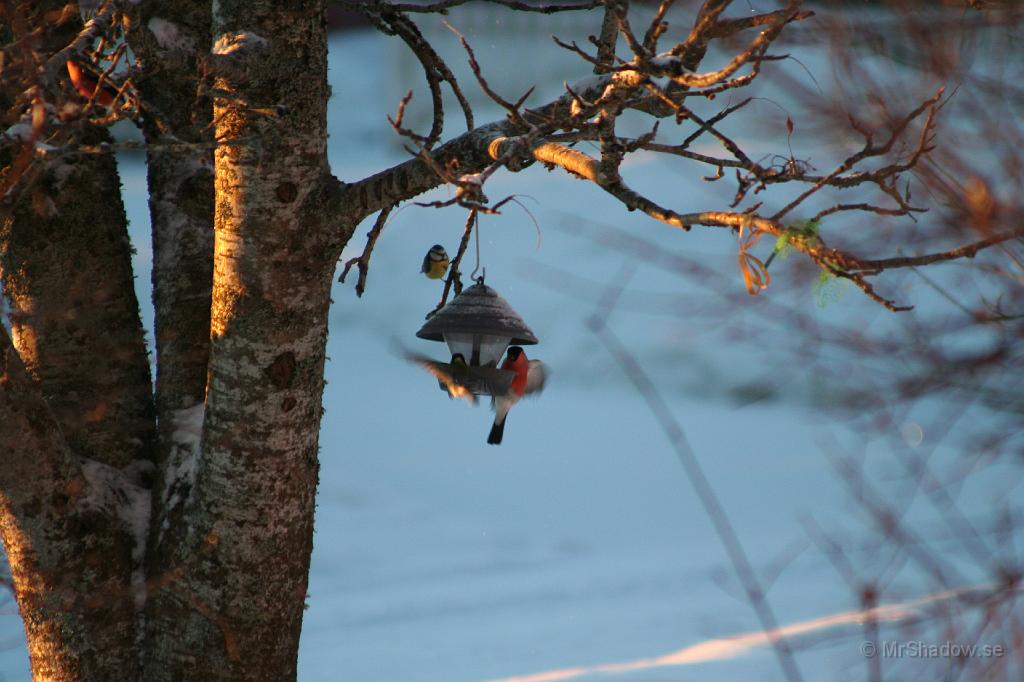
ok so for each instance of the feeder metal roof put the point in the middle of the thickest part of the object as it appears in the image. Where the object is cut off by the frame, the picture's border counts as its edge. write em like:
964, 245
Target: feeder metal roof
478, 310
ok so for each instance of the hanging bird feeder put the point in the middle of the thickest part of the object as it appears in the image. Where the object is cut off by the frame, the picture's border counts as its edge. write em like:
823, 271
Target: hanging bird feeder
479, 325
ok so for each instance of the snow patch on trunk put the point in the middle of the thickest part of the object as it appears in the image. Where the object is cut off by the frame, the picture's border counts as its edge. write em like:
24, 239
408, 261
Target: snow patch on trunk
229, 43
119, 494
20, 131
169, 36
183, 464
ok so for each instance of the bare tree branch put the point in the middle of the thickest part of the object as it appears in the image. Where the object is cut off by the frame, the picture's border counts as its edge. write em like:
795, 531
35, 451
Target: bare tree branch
440, 7
454, 271
363, 261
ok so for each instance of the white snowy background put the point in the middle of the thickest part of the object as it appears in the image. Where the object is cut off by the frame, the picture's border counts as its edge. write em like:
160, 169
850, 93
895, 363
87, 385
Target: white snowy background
579, 542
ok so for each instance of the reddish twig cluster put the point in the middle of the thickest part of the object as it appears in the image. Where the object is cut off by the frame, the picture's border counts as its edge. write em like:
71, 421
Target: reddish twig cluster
659, 82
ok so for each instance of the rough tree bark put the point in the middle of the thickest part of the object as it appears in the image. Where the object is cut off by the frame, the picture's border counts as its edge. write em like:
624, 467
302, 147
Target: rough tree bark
241, 333
77, 433
170, 39
234, 609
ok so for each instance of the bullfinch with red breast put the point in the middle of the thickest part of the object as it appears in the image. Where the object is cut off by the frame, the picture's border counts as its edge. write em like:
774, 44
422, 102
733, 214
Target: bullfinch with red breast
90, 84
530, 377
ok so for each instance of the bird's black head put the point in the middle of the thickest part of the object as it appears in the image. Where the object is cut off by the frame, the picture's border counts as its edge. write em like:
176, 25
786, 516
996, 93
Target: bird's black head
514, 352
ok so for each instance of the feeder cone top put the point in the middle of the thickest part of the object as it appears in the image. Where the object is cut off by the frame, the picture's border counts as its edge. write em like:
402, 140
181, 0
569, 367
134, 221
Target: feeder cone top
478, 310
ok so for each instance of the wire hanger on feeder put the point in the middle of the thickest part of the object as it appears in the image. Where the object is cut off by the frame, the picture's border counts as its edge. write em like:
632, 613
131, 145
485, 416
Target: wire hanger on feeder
476, 237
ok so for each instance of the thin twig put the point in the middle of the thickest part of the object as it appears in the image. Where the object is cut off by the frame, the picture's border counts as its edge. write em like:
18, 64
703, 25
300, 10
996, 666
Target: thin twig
709, 500
440, 7
93, 28
363, 260
513, 109
966, 251
454, 274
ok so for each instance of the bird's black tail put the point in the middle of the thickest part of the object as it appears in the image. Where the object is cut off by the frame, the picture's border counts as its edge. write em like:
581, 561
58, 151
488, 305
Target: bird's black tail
497, 431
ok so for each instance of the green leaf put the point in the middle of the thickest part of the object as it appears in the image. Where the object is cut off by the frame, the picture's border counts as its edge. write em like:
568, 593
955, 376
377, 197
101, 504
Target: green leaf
828, 289
782, 246
812, 227
796, 234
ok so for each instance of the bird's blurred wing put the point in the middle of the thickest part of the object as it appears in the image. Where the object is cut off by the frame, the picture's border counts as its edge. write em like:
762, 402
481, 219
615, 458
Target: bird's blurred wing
536, 377
455, 388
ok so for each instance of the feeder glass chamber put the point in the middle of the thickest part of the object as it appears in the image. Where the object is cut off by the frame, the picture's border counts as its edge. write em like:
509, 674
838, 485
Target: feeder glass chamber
480, 350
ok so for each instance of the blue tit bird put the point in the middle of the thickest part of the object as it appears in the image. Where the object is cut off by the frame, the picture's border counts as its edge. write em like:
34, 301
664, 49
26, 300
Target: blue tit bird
435, 263
530, 378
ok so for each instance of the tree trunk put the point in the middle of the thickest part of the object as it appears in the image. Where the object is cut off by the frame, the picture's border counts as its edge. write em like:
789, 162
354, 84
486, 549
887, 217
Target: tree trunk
70, 559
171, 39
75, 406
233, 607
